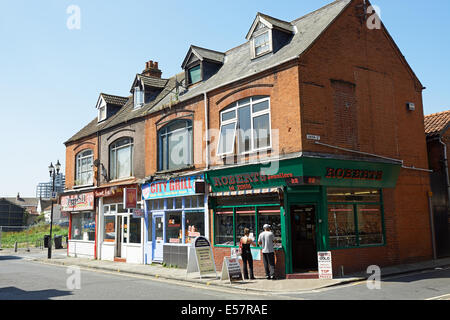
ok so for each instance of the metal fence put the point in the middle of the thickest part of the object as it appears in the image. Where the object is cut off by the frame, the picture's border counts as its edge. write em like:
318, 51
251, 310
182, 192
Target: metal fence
22, 238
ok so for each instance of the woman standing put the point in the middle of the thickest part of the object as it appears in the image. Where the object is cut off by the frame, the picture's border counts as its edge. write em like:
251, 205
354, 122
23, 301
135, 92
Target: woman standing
246, 253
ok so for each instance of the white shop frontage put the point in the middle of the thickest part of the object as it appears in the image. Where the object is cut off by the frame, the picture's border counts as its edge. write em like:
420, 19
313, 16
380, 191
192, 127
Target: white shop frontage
82, 224
120, 225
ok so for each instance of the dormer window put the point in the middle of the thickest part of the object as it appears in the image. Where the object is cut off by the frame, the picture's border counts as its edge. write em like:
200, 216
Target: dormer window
200, 64
268, 35
262, 44
102, 113
194, 74
138, 97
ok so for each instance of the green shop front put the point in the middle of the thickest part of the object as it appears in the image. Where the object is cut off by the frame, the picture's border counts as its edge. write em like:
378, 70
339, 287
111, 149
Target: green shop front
312, 204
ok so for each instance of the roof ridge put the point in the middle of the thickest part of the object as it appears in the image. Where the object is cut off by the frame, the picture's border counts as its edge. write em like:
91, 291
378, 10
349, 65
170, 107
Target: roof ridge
114, 95
195, 46
312, 12
436, 113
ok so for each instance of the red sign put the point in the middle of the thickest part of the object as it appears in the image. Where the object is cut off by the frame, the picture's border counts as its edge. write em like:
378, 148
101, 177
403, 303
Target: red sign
78, 202
130, 198
341, 173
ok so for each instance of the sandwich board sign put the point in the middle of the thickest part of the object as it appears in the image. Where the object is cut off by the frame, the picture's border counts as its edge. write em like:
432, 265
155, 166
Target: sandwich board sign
231, 269
200, 257
325, 265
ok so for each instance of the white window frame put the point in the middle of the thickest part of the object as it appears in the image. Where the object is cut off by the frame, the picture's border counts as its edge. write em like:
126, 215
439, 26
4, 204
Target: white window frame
100, 110
253, 115
78, 159
138, 97
269, 42
115, 149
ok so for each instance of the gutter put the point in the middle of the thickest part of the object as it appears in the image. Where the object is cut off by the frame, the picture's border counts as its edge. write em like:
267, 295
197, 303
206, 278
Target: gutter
446, 169
377, 156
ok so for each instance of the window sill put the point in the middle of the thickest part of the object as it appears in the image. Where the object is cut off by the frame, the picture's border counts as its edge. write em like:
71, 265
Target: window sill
175, 170
83, 186
248, 153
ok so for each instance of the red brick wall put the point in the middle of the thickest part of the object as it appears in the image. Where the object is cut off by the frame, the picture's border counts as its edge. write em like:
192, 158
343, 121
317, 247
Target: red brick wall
349, 52
195, 112
258, 265
72, 150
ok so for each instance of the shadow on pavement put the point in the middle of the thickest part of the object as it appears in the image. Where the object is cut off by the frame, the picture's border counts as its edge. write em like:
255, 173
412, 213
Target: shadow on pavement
13, 293
9, 258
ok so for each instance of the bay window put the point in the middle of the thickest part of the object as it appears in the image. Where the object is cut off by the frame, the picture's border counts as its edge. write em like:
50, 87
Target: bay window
84, 168
175, 145
245, 123
121, 159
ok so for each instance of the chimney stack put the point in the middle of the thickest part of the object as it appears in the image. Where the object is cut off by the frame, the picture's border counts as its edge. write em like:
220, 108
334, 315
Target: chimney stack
151, 70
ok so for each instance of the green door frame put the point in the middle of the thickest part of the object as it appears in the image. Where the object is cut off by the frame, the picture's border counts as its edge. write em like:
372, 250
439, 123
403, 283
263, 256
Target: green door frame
302, 196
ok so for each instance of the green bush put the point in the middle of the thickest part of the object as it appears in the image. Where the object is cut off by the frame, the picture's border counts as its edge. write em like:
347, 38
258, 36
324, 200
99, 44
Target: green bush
31, 235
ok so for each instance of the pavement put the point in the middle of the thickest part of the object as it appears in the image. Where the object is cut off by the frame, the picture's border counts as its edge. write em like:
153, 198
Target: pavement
59, 257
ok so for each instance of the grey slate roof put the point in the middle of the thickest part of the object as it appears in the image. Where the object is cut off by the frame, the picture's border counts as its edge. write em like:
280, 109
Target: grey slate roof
237, 64
112, 99
23, 202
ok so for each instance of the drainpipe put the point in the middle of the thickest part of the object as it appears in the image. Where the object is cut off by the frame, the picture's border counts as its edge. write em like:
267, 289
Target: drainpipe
205, 99
433, 235
446, 170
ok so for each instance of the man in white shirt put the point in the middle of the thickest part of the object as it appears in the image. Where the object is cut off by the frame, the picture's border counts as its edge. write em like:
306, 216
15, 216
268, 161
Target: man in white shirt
265, 240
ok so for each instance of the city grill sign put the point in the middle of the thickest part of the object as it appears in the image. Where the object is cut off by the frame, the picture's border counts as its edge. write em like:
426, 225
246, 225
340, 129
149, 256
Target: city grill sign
357, 174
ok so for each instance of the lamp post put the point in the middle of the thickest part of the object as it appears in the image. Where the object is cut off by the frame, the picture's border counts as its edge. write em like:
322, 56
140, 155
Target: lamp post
54, 171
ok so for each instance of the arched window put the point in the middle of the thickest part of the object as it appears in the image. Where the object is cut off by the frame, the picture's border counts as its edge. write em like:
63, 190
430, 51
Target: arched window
121, 158
175, 145
84, 168
245, 123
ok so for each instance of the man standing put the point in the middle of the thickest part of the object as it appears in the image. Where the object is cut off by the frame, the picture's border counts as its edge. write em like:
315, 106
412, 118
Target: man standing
265, 240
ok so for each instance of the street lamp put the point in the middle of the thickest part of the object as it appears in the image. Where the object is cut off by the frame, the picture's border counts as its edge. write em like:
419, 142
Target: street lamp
54, 171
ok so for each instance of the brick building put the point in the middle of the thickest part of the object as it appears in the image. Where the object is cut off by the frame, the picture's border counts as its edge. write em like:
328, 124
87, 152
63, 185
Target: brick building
314, 126
438, 139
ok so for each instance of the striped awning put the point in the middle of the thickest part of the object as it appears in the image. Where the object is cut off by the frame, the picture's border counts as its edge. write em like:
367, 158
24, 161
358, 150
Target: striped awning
243, 192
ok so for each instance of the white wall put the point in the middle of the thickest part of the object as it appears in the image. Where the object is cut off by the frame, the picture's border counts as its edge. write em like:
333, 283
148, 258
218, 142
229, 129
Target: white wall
82, 249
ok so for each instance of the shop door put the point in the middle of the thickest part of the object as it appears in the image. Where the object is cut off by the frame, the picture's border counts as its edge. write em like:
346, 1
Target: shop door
118, 250
304, 247
158, 237
123, 251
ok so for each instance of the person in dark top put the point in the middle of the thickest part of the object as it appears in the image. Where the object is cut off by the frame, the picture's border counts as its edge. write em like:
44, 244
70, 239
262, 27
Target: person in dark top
246, 253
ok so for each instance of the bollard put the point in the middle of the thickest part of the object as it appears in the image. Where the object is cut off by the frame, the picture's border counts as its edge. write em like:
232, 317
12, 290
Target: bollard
15, 246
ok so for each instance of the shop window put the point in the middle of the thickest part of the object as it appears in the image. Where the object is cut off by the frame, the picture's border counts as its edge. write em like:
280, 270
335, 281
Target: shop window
248, 122
355, 217
341, 226
271, 216
109, 229
135, 230
175, 145
170, 204
224, 228
193, 202
353, 195
245, 218
370, 230
178, 203
174, 229
195, 225
83, 226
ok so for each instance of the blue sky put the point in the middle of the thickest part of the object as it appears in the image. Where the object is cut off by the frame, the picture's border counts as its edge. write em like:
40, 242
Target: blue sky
50, 76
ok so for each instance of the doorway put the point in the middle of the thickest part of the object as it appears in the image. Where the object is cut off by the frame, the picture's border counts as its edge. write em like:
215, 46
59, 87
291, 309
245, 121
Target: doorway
303, 232
121, 236
158, 241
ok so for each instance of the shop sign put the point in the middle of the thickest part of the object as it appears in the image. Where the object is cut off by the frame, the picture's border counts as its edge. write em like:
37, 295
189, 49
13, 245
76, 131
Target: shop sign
301, 181
203, 252
78, 202
231, 269
325, 265
343, 173
108, 192
177, 187
246, 181
138, 213
130, 198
